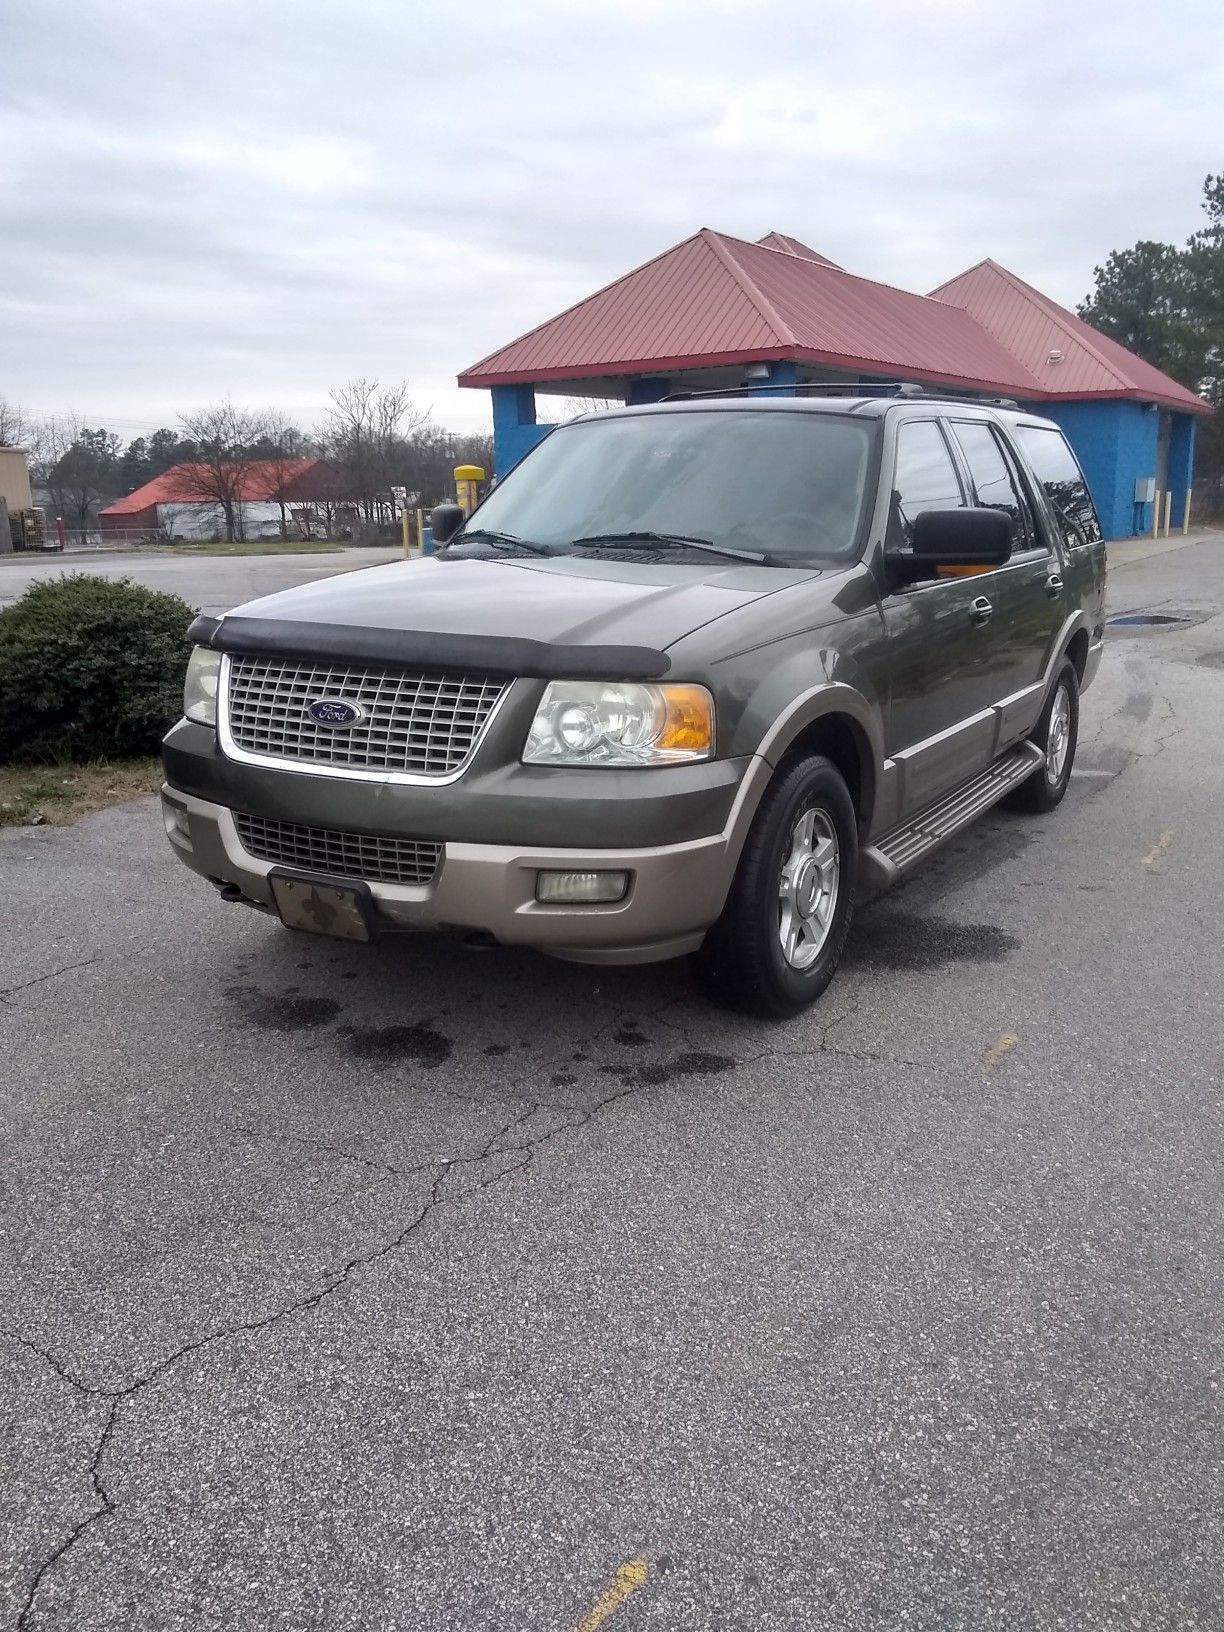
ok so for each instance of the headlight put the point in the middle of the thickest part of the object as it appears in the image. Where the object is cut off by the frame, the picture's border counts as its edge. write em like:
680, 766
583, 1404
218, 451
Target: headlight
200, 686
592, 722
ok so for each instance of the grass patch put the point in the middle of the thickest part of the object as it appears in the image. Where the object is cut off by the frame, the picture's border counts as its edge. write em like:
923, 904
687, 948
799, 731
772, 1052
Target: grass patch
58, 794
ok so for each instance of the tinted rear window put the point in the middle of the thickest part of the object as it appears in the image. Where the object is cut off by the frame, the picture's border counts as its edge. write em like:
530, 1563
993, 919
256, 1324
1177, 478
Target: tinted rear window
1063, 480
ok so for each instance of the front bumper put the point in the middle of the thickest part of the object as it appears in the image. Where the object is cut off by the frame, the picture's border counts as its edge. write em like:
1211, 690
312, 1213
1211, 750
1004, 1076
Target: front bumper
676, 891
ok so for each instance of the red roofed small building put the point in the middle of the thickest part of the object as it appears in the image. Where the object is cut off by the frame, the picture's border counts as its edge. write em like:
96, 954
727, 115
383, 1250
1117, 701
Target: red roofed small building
177, 504
715, 312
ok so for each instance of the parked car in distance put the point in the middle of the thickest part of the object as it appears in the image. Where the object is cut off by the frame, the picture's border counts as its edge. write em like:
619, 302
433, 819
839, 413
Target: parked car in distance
687, 675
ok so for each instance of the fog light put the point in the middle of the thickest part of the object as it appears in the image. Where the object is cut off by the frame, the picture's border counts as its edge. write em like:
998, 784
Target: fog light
178, 828
588, 888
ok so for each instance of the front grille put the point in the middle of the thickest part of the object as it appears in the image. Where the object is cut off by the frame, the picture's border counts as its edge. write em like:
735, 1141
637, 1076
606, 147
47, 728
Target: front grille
425, 724
327, 850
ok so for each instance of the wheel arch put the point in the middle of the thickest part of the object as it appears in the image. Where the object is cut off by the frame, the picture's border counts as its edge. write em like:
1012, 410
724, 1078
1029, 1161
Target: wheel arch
841, 739
1077, 650
837, 721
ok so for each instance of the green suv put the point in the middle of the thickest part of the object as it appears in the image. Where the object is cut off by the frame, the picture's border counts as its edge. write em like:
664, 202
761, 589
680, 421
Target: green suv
688, 674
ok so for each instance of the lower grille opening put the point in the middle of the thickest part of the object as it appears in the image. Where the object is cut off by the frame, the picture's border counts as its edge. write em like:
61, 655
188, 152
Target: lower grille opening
331, 850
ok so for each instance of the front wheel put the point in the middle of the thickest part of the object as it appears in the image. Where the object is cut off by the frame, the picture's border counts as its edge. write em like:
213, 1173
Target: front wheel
781, 934
1056, 735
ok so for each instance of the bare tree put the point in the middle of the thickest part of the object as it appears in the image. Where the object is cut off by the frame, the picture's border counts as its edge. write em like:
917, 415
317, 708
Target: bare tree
281, 449
50, 442
571, 407
365, 437
15, 428
226, 439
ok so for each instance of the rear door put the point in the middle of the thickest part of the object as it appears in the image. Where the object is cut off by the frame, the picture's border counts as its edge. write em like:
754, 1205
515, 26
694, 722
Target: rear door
1083, 545
947, 667
1026, 594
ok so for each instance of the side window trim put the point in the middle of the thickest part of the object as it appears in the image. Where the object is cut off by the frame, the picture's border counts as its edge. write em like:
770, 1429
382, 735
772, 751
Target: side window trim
950, 448
1028, 519
1040, 542
1057, 522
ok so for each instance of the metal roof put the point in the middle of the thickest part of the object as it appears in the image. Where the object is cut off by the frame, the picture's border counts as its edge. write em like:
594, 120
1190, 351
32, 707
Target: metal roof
1065, 355
794, 246
714, 300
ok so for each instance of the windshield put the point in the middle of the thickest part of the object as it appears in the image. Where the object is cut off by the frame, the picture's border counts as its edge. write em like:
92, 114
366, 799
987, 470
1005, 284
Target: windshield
790, 485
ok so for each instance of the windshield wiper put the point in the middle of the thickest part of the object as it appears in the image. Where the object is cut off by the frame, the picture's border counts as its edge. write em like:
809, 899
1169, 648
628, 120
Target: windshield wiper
683, 541
500, 541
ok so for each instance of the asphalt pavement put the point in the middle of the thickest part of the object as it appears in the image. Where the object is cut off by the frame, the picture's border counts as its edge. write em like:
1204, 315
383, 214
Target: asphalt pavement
210, 583
406, 1287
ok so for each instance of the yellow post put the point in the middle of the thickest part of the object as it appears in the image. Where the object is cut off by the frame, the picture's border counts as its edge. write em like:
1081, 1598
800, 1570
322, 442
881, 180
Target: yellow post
1186, 512
420, 527
1168, 509
1156, 514
467, 486
405, 530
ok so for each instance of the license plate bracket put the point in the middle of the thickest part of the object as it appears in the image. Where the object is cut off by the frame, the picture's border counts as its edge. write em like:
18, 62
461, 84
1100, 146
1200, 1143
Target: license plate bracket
342, 908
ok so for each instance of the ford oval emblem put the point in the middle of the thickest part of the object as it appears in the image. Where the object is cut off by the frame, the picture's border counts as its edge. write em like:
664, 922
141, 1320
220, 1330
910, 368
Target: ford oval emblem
335, 711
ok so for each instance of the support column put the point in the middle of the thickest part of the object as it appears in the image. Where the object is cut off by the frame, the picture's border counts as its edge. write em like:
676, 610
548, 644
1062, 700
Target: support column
783, 378
515, 431
649, 389
1181, 463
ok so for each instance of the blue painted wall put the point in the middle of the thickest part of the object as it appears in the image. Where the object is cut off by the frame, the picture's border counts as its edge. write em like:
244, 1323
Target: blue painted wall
515, 431
1115, 442
1181, 462
783, 377
647, 390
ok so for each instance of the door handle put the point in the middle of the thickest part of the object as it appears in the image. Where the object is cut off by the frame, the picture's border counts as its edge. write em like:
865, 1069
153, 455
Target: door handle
981, 610
1054, 585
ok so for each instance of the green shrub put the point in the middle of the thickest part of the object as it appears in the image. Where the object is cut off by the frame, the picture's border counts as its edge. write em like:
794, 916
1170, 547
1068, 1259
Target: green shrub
90, 668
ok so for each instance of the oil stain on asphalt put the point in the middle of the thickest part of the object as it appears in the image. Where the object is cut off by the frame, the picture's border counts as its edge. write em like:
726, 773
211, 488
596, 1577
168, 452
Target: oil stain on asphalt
282, 1011
391, 1045
902, 940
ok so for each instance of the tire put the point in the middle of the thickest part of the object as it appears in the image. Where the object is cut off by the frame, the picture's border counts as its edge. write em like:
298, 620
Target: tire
801, 852
1044, 790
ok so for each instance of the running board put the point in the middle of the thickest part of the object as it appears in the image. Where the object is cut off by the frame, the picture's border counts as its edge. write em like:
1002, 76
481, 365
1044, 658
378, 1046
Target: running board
898, 851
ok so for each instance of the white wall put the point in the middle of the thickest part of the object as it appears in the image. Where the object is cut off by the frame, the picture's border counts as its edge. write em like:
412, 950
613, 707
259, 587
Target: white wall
205, 521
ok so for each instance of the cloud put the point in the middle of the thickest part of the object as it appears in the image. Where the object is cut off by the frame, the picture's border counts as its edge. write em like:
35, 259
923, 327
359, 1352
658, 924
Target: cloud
215, 197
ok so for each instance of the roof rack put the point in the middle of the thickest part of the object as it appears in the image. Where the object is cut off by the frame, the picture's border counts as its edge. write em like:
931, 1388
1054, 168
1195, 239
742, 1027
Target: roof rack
827, 388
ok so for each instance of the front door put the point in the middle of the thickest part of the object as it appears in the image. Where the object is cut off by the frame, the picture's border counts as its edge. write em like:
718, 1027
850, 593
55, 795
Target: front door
1026, 593
947, 664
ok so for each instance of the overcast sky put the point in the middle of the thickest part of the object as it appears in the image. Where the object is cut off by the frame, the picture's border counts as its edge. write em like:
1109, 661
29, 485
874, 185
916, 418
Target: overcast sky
265, 199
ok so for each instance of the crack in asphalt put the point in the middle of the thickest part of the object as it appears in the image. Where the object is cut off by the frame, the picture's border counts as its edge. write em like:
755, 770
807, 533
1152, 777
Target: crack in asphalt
385, 1168
51, 974
824, 1045
494, 1146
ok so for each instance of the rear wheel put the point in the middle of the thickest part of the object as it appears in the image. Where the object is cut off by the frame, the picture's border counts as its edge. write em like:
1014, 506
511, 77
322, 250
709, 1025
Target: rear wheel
781, 934
1056, 735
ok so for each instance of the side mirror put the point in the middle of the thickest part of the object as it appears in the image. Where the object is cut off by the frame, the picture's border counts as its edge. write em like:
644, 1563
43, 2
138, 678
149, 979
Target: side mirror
956, 539
445, 521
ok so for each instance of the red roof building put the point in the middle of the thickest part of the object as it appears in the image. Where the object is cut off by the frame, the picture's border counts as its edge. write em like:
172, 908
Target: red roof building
265, 484
716, 311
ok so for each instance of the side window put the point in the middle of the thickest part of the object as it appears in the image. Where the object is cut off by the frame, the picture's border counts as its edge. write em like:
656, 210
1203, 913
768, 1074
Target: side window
1063, 481
925, 478
993, 481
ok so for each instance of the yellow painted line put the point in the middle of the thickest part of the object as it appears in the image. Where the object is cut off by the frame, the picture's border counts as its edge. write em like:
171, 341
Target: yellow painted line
629, 1577
1159, 848
999, 1050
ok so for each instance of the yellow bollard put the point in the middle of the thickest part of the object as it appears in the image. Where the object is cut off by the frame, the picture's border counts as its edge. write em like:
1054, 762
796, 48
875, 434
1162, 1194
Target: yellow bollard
467, 486
1168, 509
420, 530
1186, 513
